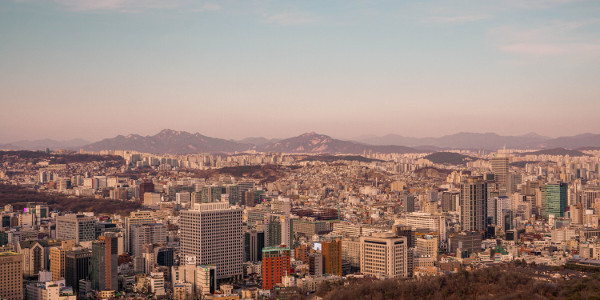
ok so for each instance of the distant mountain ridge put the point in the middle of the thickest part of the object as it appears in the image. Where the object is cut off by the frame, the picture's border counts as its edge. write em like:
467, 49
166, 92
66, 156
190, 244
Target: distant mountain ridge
168, 141
181, 142
317, 143
487, 141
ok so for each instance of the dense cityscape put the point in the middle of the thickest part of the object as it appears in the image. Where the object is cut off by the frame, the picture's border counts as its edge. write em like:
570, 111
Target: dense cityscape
120, 224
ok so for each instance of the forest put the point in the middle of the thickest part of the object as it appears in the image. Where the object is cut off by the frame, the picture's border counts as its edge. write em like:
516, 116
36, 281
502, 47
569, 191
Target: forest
18, 196
508, 281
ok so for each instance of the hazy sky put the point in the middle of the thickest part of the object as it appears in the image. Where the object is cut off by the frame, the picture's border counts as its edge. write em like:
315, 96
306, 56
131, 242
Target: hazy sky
232, 69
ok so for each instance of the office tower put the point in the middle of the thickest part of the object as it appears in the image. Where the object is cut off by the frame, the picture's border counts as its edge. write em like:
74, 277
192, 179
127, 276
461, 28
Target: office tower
450, 201
315, 264
57, 259
332, 256
147, 234
36, 255
135, 218
146, 187
104, 263
183, 198
212, 193
254, 242
427, 246
500, 169
473, 204
234, 194
77, 266
278, 230
11, 280
554, 199
497, 208
212, 233
165, 256
384, 254
78, 228
591, 194
410, 203
275, 265
406, 231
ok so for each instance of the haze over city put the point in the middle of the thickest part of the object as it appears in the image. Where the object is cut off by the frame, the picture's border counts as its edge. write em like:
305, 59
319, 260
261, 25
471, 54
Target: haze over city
234, 69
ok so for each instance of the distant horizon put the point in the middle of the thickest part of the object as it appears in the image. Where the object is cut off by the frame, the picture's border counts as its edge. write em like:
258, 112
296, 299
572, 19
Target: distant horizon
355, 138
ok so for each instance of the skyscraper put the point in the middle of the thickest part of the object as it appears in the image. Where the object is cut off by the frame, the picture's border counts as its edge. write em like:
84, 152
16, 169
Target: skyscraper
332, 256
104, 263
275, 264
500, 169
473, 204
77, 266
554, 199
11, 280
212, 233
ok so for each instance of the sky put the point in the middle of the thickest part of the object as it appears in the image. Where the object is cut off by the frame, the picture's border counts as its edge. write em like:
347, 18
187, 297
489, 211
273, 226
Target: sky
94, 69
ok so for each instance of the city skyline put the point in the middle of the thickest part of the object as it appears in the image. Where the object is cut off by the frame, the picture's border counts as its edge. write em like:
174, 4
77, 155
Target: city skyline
233, 69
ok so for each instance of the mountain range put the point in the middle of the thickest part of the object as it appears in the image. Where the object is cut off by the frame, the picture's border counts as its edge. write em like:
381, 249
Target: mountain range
181, 142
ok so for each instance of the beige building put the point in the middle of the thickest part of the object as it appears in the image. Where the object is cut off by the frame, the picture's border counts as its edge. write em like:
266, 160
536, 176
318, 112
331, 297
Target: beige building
427, 246
384, 255
11, 281
57, 259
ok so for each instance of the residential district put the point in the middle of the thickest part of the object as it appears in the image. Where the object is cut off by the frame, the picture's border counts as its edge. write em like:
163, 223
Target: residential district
285, 224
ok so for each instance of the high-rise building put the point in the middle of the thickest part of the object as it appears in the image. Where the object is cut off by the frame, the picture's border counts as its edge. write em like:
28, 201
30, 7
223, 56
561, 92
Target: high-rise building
427, 246
11, 280
212, 233
135, 218
77, 266
554, 199
500, 169
254, 242
315, 264
278, 230
450, 201
147, 234
36, 255
104, 263
57, 259
332, 256
275, 265
473, 204
79, 228
384, 255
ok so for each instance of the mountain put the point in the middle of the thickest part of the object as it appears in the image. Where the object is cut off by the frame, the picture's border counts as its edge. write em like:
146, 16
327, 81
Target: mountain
449, 158
462, 140
45, 143
556, 151
168, 141
572, 142
318, 143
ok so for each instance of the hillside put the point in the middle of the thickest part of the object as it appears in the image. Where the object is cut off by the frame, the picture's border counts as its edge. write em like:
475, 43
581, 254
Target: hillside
556, 151
18, 196
448, 158
498, 282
